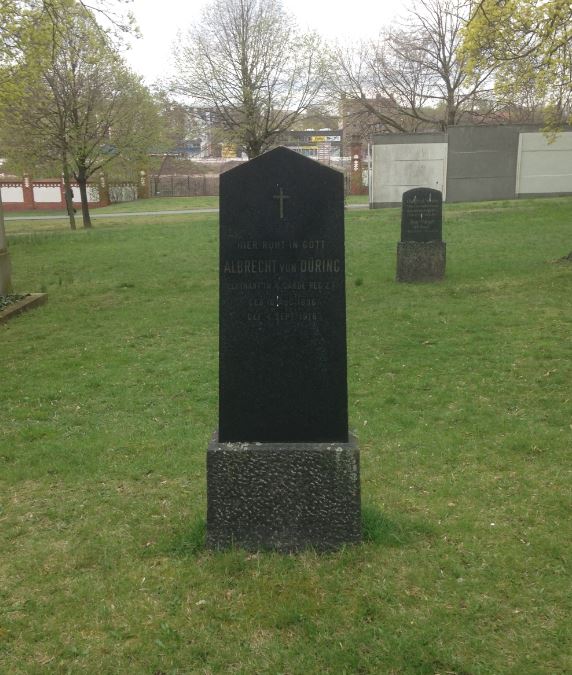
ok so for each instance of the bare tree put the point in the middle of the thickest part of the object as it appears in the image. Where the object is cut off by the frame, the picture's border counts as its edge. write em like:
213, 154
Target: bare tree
247, 63
412, 77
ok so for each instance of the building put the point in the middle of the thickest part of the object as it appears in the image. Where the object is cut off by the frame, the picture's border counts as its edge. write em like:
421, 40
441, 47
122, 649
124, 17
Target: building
324, 145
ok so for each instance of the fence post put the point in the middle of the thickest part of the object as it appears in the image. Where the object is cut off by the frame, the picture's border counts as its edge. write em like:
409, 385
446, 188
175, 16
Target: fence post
103, 191
356, 150
143, 186
28, 190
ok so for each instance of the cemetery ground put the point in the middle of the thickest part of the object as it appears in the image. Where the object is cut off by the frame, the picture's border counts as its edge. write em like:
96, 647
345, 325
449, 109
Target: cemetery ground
59, 220
461, 398
152, 204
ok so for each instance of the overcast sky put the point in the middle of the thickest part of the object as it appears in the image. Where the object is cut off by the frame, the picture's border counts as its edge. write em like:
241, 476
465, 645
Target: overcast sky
159, 21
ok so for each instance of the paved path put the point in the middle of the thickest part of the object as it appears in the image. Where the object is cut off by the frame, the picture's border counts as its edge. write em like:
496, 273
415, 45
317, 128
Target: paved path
124, 214
119, 214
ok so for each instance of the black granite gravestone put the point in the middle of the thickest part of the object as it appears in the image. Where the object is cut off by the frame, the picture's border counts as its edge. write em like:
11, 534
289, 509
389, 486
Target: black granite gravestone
282, 302
421, 252
422, 215
282, 472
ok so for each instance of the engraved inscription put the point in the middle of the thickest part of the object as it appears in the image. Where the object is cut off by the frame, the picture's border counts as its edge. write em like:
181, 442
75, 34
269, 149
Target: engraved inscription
289, 290
421, 215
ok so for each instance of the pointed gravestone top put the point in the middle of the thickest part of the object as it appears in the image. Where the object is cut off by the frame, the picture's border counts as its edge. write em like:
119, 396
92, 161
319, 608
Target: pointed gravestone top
282, 301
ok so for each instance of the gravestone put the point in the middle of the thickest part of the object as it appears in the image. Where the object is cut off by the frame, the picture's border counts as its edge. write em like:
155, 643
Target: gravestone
282, 470
421, 253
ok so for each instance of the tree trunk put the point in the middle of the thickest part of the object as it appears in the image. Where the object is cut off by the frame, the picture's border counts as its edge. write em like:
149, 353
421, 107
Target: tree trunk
82, 182
451, 109
253, 149
5, 265
451, 116
69, 195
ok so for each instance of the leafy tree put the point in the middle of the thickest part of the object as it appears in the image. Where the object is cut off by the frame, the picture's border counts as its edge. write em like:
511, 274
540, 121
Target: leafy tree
246, 63
530, 44
413, 76
11, 17
28, 27
79, 104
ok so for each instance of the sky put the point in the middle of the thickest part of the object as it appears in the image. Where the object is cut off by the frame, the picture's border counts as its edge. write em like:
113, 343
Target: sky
159, 21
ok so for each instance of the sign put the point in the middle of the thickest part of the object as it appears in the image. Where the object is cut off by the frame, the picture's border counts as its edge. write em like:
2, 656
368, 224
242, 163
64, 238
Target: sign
325, 139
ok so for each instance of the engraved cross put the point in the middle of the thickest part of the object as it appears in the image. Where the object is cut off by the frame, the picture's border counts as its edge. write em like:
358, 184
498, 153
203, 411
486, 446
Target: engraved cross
281, 197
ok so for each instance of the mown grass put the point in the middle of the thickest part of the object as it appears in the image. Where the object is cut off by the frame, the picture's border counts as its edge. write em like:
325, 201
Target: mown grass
460, 395
144, 205
141, 205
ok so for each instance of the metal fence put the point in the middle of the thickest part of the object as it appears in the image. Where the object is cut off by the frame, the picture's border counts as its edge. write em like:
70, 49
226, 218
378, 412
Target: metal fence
124, 192
205, 185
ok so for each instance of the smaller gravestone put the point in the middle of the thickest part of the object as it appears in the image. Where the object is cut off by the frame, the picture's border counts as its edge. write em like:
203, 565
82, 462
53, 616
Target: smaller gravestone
421, 253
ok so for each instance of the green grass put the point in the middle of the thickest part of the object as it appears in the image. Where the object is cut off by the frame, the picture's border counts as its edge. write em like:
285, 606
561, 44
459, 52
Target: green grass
163, 204
152, 204
357, 199
459, 394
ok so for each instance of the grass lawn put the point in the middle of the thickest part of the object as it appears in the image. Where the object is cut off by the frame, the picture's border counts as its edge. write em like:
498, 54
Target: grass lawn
152, 204
460, 395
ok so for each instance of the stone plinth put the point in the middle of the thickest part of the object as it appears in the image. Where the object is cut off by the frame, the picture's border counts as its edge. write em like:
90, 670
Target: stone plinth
283, 496
421, 260
27, 302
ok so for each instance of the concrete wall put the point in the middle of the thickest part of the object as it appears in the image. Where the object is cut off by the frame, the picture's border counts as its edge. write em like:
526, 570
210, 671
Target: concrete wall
482, 163
544, 167
400, 163
471, 163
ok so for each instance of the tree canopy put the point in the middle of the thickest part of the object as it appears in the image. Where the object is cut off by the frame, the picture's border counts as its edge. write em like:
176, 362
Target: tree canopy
77, 104
413, 77
529, 42
248, 64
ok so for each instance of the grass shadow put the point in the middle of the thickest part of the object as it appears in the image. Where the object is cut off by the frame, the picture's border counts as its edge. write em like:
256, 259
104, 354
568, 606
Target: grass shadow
186, 541
189, 539
380, 530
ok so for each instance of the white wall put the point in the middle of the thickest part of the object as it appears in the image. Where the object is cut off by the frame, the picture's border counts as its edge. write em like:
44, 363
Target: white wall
12, 194
48, 194
543, 167
397, 168
92, 194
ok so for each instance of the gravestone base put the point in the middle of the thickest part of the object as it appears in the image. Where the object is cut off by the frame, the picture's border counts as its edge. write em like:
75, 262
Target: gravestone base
5, 273
421, 260
283, 496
